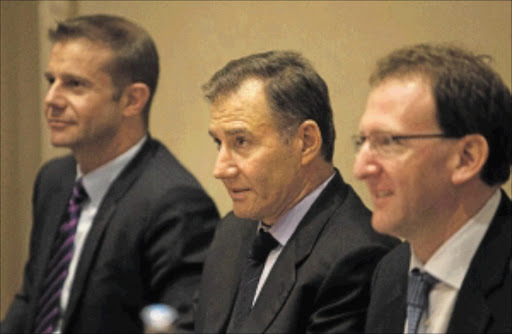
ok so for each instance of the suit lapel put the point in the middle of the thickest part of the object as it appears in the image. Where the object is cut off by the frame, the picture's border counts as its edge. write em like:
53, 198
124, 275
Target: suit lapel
102, 219
282, 277
393, 308
273, 295
471, 313
487, 270
227, 279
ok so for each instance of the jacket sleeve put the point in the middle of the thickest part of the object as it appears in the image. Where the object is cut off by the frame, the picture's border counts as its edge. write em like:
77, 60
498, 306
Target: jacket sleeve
342, 301
176, 242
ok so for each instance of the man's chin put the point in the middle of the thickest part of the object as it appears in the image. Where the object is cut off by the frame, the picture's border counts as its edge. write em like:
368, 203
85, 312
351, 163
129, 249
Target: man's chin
384, 225
59, 144
243, 214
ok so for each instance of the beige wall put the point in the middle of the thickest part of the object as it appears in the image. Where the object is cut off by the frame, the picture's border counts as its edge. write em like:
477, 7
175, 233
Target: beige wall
20, 137
342, 39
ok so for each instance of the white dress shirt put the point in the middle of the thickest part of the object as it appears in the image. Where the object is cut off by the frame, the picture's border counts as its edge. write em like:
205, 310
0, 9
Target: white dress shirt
283, 229
96, 185
449, 265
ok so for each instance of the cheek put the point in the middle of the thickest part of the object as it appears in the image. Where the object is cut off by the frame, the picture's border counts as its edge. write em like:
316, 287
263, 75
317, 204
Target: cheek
399, 177
420, 184
267, 184
432, 169
269, 172
82, 108
251, 172
262, 179
100, 115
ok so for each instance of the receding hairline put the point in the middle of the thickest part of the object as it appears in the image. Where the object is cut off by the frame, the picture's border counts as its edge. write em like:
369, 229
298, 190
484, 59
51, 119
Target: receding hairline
226, 92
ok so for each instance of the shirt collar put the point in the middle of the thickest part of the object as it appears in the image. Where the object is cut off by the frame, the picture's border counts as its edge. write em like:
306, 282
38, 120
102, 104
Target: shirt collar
98, 181
451, 261
283, 229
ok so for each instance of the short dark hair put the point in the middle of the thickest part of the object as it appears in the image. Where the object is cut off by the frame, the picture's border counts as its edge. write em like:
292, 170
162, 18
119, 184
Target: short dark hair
470, 97
135, 56
294, 90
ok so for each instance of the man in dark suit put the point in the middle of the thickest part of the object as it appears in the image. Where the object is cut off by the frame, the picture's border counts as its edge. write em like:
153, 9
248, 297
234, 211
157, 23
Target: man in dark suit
435, 146
138, 223
272, 121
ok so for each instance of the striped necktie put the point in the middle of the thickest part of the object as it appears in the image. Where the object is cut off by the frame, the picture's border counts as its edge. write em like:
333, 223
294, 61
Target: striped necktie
48, 310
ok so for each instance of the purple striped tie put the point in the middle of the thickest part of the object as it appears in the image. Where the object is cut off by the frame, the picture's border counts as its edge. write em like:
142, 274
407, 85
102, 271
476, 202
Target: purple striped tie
48, 311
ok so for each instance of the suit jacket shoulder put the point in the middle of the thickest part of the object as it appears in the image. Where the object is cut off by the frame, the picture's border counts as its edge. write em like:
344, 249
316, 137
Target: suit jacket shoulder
147, 243
320, 280
52, 188
483, 304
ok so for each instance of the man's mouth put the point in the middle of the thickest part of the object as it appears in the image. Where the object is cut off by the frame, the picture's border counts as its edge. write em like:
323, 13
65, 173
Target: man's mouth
382, 193
58, 123
238, 193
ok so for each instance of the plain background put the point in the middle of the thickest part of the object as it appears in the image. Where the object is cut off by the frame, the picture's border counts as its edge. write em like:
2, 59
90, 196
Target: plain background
343, 39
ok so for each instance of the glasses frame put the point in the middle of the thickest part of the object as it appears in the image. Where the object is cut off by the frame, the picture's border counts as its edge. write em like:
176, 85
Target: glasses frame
359, 140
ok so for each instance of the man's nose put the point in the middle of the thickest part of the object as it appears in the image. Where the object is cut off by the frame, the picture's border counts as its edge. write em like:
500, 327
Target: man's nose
365, 164
54, 97
225, 166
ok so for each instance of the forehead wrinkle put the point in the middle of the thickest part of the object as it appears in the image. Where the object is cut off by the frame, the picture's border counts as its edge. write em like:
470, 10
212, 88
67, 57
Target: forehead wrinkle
244, 111
238, 120
236, 131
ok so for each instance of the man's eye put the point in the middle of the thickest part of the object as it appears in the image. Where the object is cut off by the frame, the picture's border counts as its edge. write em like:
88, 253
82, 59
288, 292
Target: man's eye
74, 83
389, 141
390, 144
386, 141
240, 141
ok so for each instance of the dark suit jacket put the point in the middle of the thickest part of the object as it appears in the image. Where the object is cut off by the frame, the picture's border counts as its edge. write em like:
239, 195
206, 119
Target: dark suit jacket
319, 283
484, 301
147, 244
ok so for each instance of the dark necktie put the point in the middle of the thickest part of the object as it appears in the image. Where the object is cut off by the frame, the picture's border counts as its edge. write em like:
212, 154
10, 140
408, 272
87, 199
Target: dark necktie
48, 310
261, 247
418, 290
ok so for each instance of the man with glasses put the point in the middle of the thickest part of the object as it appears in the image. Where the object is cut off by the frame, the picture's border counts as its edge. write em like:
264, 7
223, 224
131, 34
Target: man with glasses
435, 145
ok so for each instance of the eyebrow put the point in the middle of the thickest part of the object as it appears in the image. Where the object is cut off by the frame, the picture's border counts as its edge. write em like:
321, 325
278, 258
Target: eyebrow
231, 132
68, 76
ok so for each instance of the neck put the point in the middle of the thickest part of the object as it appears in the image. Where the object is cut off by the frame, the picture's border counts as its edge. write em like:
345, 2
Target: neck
318, 174
313, 175
468, 203
310, 178
91, 157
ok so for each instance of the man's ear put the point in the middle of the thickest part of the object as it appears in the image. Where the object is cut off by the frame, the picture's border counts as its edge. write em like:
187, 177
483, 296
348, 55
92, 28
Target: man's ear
472, 153
135, 96
311, 139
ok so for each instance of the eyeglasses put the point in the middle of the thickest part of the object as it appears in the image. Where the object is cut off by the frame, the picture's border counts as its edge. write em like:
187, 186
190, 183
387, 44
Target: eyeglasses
387, 144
